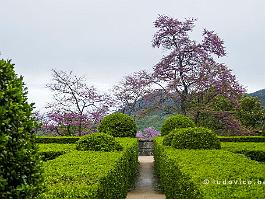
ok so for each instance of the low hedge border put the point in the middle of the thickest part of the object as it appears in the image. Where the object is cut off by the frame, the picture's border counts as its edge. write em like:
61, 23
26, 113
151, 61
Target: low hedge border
57, 139
242, 138
242, 146
196, 173
252, 150
70, 140
50, 155
92, 174
53, 150
254, 155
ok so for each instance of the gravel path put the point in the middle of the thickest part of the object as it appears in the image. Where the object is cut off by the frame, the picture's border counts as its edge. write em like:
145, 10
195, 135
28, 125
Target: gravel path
145, 183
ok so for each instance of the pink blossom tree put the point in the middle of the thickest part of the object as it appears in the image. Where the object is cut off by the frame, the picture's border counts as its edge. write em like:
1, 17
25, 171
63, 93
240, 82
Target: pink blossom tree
131, 89
71, 95
189, 69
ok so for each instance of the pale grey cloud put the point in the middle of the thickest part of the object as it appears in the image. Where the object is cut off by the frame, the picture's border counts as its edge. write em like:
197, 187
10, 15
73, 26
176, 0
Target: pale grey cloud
105, 40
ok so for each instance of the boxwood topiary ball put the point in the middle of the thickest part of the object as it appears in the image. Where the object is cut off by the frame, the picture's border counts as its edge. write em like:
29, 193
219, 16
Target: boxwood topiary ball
118, 125
175, 122
195, 138
98, 142
168, 138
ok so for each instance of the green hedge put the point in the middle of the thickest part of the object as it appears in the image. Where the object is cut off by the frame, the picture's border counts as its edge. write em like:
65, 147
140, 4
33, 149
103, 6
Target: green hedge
242, 138
196, 173
92, 174
98, 142
242, 146
53, 150
195, 138
255, 155
176, 122
57, 139
252, 150
118, 125
73, 139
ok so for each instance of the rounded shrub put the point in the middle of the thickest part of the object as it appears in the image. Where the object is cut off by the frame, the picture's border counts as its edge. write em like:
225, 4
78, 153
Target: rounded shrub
98, 142
20, 168
167, 140
175, 122
118, 125
195, 138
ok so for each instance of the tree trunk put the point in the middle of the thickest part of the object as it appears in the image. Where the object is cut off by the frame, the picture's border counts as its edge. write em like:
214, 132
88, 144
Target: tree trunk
183, 107
80, 127
183, 103
197, 117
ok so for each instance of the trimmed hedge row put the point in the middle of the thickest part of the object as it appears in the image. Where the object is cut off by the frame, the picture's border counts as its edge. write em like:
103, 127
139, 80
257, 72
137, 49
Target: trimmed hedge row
242, 146
92, 174
57, 139
207, 173
74, 139
242, 138
53, 150
252, 150
255, 155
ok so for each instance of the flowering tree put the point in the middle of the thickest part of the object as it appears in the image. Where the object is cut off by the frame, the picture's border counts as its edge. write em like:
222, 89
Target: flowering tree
131, 89
189, 70
217, 83
67, 123
74, 98
147, 134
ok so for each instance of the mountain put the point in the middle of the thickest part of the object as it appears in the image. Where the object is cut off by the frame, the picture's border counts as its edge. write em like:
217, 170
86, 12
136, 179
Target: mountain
260, 94
151, 110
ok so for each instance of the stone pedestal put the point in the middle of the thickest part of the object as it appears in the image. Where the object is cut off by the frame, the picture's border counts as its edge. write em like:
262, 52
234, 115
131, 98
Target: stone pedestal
145, 148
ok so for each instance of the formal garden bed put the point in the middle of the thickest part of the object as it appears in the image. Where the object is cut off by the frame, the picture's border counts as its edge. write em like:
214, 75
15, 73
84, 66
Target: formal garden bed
210, 144
202, 173
89, 174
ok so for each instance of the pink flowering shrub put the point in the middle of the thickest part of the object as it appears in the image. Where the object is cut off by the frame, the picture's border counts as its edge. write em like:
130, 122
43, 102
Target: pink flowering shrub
147, 134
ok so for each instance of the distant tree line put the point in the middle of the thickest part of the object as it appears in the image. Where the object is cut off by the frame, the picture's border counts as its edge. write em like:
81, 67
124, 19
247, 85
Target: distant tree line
188, 77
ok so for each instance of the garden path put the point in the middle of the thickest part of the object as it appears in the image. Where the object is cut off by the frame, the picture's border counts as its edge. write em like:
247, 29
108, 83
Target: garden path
145, 183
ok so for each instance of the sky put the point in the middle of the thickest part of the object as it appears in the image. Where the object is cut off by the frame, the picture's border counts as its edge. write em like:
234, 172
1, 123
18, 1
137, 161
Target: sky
106, 40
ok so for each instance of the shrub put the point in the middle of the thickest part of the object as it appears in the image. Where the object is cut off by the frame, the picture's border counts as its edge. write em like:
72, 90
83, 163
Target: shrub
252, 150
49, 155
243, 146
20, 171
183, 173
52, 151
195, 138
255, 155
241, 138
118, 125
98, 142
92, 174
168, 138
175, 122
57, 139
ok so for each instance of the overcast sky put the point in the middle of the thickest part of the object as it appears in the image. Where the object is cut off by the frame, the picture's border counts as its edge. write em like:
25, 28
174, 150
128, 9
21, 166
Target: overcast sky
105, 40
